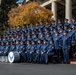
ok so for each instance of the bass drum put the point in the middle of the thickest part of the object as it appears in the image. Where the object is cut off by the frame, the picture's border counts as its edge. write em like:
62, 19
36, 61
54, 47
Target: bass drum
13, 57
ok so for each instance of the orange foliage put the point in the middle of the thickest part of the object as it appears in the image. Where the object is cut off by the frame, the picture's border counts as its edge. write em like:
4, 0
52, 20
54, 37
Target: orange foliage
29, 13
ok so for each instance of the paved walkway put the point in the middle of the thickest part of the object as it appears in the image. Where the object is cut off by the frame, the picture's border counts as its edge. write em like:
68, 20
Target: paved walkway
36, 69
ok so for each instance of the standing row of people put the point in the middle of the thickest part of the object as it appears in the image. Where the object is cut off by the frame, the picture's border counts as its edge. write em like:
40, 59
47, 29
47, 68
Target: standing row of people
40, 43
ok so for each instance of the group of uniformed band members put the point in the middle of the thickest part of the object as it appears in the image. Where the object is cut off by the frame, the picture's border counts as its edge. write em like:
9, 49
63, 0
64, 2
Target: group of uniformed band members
41, 43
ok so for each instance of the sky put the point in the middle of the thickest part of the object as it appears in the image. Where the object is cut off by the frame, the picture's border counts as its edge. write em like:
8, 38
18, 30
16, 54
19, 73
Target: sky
20, 0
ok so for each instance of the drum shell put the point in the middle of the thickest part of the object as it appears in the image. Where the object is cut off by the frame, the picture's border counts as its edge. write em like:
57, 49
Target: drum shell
15, 55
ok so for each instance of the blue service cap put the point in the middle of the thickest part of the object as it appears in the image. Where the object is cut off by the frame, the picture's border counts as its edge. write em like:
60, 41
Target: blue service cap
61, 29
56, 32
44, 40
53, 21
36, 39
17, 40
65, 31
59, 20
29, 40
37, 22
1, 41
22, 41
39, 39
66, 19
51, 40
33, 41
73, 19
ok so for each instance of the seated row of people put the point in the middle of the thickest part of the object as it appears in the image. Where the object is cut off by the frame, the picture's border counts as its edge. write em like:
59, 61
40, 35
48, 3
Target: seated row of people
38, 50
32, 52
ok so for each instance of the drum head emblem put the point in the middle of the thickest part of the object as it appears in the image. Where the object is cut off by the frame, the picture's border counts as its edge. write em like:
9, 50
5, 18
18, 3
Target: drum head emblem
11, 57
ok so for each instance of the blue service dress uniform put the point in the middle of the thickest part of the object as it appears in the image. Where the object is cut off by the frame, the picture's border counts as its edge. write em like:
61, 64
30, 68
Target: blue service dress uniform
65, 48
27, 52
43, 53
1, 50
32, 52
67, 25
6, 50
74, 23
57, 43
60, 26
12, 47
37, 54
21, 52
54, 26
50, 51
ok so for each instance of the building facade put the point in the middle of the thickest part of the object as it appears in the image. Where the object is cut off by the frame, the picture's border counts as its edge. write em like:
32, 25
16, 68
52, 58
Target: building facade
61, 8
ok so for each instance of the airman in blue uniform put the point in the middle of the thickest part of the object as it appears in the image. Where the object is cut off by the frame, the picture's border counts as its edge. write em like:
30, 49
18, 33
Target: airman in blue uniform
29, 37
35, 38
73, 22
74, 32
51, 30
46, 31
41, 26
0, 38
22, 49
31, 27
32, 51
67, 24
47, 25
37, 26
61, 33
65, 47
17, 46
12, 46
4, 40
27, 52
38, 51
8, 31
24, 28
60, 25
14, 29
57, 43
23, 38
6, 49
54, 26
41, 36
44, 46
71, 38
2, 49
48, 37
19, 29
34, 32
40, 30
27, 26
74, 39
50, 50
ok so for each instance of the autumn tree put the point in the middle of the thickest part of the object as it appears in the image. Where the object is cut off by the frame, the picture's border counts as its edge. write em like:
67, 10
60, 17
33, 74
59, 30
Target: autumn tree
29, 13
